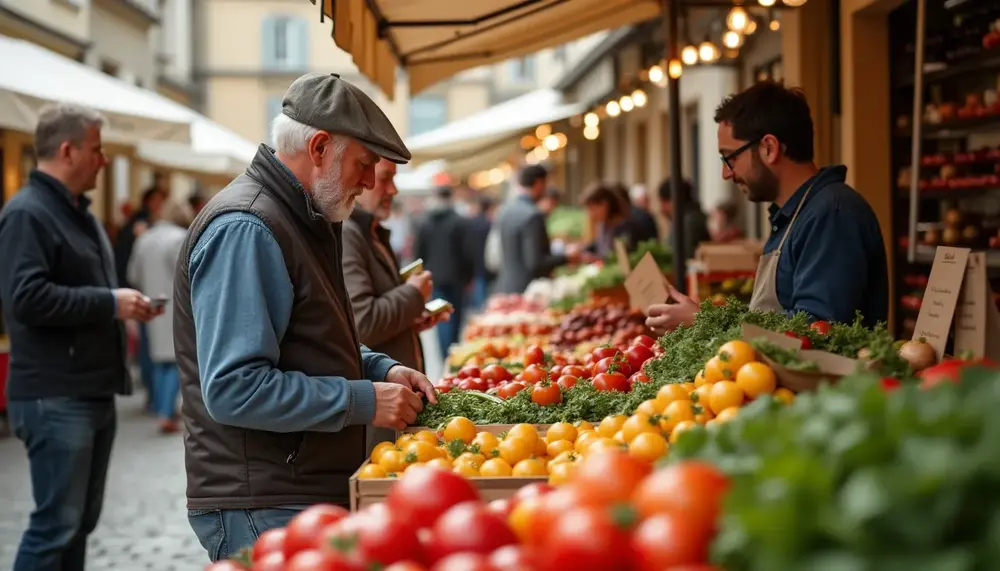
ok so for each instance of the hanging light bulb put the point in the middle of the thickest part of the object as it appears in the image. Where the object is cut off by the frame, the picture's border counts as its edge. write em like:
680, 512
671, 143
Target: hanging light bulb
591, 119
793, 3
774, 25
737, 19
626, 103
543, 131
732, 40
675, 68
591, 132
751, 28
656, 74
639, 98
613, 109
689, 55
766, 3
551, 143
708, 52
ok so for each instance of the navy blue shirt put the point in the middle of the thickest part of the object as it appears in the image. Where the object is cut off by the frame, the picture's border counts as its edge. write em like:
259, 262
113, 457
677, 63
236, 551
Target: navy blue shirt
833, 262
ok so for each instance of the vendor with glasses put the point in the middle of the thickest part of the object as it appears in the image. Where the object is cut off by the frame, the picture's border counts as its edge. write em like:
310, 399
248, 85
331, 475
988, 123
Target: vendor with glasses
825, 255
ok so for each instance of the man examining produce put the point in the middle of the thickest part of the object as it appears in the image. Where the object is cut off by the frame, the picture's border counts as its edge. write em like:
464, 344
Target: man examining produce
277, 387
825, 255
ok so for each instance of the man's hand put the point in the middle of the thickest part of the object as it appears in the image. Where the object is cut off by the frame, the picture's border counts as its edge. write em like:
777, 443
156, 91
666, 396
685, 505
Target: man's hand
396, 406
666, 317
426, 321
573, 253
413, 380
422, 281
131, 304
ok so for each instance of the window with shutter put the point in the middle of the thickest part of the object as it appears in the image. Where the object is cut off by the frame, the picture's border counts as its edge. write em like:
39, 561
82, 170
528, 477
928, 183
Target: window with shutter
285, 42
522, 70
427, 112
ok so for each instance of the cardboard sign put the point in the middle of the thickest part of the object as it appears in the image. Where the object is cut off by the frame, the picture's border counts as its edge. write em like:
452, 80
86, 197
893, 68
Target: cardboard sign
646, 284
944, 286
622, 253
830, 367
977, 320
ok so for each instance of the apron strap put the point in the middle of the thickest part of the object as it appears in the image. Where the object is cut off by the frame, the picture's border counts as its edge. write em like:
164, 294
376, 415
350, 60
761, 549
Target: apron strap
794, 216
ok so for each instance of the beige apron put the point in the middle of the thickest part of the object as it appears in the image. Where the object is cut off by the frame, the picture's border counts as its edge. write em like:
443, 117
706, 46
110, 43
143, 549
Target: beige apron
765, 287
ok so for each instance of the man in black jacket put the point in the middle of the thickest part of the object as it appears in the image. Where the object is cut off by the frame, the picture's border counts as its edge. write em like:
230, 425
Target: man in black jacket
67, 345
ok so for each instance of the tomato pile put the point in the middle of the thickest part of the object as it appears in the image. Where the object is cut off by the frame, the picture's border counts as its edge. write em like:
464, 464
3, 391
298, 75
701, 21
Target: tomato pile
617, 514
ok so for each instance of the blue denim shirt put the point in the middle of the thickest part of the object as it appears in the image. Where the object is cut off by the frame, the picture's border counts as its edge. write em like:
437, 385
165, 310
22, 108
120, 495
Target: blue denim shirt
833, 262
241, 298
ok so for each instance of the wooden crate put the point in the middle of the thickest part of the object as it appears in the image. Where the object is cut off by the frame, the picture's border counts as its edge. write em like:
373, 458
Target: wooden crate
491, 428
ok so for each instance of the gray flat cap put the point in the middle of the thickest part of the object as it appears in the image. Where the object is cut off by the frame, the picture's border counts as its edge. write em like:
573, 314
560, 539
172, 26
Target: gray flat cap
327, 102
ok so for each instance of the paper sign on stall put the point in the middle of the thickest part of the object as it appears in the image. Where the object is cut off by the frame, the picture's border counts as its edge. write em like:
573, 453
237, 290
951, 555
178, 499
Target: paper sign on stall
977, 321
646, 284
944, 286
621, 252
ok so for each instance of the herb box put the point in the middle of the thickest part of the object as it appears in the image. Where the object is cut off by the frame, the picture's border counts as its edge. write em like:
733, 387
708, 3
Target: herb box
491, 428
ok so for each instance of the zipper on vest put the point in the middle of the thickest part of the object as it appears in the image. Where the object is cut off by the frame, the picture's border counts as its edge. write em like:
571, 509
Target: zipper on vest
294, 454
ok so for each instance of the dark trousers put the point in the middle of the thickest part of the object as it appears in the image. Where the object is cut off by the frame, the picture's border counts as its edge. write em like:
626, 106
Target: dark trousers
448, 331
69, 444
226, 532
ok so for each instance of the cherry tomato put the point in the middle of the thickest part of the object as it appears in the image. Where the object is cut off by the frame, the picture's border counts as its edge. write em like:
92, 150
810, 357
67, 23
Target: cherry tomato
272, 540
692, 488
821, 327
474, 384
613, 364
423, 493
509, 389
464, 562
404, 566
546, 393
575, 371
585, 539
806, 342
535, 490
637, 356
304, 529
443, 387
639, 377
320, 560
500, 506
469, 371
386, 539
890, 384
611, 382
555, 371
609, 476
469, 528
496, 373
604, 353
534, 355
644, 340
534, 374
663, 541
511, 558
273, 561
567, 381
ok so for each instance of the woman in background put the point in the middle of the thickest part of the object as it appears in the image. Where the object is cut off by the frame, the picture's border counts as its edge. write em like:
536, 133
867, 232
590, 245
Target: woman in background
608, 212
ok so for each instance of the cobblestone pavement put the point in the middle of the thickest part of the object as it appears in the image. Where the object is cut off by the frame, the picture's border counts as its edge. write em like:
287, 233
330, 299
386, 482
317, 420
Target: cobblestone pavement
144, 522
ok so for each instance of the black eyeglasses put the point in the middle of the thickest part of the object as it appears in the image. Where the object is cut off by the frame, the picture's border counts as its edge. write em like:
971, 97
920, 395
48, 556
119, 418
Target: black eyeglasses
728, 157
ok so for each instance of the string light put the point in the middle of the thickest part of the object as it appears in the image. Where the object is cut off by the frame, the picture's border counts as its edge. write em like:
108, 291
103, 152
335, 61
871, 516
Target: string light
794, 3
751, 28
656, 74
766, 3
591, 119
551, 143
543, 131
626, 103
774, 25
737, 19
707, 52
613, 109
689, 55
732, 40
675, 68
496, 176
639, 98
591, 132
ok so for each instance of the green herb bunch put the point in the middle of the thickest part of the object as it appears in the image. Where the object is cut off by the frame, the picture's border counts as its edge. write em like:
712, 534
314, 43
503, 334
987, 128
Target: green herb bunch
854, 478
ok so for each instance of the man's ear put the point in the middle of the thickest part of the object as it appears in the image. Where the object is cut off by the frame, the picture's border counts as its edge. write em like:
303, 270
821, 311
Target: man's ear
319, 144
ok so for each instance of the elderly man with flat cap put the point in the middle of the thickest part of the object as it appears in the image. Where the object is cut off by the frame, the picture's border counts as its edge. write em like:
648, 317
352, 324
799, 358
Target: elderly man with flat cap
278, 391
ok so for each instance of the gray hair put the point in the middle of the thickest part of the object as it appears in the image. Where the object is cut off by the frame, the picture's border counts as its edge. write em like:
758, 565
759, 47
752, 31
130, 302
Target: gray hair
290, 137
59, 123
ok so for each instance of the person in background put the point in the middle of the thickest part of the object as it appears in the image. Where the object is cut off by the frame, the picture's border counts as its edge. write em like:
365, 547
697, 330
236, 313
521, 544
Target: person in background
63, 310
549, 200
641, 224
400, 233
479, 231
722, 223
154, 258
524, 247
694, 221
608, 212
196, 202
639, 196
442, 242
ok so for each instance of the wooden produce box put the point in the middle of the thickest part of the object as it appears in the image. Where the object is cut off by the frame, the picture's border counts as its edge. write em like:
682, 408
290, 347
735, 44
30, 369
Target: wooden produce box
611, 295
491, 428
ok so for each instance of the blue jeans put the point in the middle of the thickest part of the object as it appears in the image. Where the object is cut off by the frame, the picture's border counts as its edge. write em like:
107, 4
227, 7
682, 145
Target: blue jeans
69, 444
225, 532
480, 291
146, 369
166, 386
447, 331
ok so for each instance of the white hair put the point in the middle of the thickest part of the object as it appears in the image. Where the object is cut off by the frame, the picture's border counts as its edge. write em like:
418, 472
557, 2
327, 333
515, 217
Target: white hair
637, 192
290, 137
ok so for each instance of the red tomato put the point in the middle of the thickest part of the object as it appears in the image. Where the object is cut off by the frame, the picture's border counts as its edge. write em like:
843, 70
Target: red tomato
469, 371
644, 340
890, 384
464, 562
806, 343
500, 506
474, 384
948, 370
534, 374
574, 371
272, 540
507, 390
225, 565
305, 528
821, 327
404, 566
469, 528
546, 393
555, 371
609, 476
320, 560
511, 558
663, 541
530, 491
388, 539
692, 488
639, 377
585, 539
273, 561
443, 387
423, 493
496, 373
604, 353
611, 382
567, 381
637, 356
613, 364
534, 355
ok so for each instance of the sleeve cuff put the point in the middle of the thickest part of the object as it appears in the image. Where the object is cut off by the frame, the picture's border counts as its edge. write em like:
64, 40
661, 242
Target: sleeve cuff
362, 403
114, 304
378, 369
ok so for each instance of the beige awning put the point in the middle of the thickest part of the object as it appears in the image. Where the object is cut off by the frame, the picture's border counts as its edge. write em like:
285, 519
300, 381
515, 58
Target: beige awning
436, 39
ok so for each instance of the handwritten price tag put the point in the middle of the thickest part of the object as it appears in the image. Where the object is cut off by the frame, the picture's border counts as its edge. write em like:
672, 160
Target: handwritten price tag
941, 297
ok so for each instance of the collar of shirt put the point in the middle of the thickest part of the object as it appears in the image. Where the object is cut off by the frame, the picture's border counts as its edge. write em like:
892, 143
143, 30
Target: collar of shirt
80, 203
780, 216
298, 185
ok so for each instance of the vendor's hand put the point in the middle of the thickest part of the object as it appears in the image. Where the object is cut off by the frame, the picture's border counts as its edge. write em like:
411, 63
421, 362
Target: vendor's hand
665, 317
132, 304
413, 380
422, 281
396, 406
573, 253
426, 321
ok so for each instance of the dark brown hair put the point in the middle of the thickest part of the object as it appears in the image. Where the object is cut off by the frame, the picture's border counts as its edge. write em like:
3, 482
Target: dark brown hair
599, 192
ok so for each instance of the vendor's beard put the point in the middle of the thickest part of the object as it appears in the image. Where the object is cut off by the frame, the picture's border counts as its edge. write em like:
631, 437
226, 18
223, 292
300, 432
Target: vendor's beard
333, 201
764, 186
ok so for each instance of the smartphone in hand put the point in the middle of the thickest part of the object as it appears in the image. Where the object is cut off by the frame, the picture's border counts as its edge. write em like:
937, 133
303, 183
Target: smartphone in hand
414, 267
436, 306
158, 302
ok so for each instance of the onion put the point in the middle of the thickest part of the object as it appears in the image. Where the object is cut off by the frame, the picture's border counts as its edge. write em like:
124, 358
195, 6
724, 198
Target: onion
919, 354
865, 356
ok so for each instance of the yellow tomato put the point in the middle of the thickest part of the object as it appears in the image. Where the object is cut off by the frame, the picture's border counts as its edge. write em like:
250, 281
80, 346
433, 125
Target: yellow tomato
403, 441
392, 461
467, 469
676, 412
379, 449
561, 473
756, 379
513, 450
470, 457
650, 407
439, 462
670, 393
688, 388
679, 429
557, 447
560, 431
636, 425
619, 436
526, 432
584, 440
529, 467
369, 471
702, 413
604, 443
541, 449
701, 395
725, 394
460, 428
716, 370
562, 458
428, 436
495, 468
611, 424
784, 395
420, 451
736, 353
648, 446
727, 414
699, 379
487, 442
583, 426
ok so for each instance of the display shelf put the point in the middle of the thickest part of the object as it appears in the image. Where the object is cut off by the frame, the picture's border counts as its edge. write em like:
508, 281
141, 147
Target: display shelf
948, 193
935, 72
